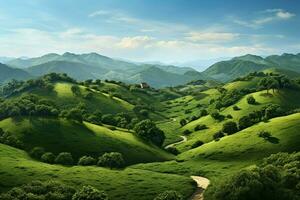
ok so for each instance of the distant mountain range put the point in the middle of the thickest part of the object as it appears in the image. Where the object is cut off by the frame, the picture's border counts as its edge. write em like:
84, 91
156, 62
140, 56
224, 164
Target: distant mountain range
243, 65
95, 66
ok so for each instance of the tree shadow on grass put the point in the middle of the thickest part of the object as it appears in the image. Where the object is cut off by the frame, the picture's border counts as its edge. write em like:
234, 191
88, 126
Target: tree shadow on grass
272, 140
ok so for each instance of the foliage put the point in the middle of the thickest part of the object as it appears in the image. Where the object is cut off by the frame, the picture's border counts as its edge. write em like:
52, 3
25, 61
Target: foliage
9, 139
186, 132
89, 193
230, 127
197, 144
37, 152
276, 178
48, 157
236, 108
218, 135
111, 160
200, 127
264, 134
173, 150
217, 116
169, 195
148, 131
183, 122
251, 100
64, 158
86, 160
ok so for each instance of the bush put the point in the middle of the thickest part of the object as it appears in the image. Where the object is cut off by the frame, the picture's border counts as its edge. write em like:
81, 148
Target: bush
37, 152
217, 116
183, 122
111, 160
229, 116
89, 193
86, 160
236, 108
48, 157
203, 113
148, 131
197, 144
187, 132
109, 119
64, 158
172, 150
230, 128
264, 134
200, 127
218, 135
251, 100
169, 195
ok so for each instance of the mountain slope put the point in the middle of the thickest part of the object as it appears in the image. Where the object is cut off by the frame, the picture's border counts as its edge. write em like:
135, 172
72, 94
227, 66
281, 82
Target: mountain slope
243, 65
8, 73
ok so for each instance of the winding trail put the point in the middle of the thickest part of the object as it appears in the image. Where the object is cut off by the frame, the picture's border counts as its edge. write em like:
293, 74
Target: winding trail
202, 183
184, 139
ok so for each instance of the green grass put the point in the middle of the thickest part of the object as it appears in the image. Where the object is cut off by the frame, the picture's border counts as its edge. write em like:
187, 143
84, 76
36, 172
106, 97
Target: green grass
59, 135
64, 98
232, 153
238, 85
17, 168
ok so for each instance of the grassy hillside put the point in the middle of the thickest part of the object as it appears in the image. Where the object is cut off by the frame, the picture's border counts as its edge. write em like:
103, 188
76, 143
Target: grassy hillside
17, 168
59, 135
231, 153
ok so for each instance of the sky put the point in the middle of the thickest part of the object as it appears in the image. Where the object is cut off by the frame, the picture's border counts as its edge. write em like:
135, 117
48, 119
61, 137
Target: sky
150, 30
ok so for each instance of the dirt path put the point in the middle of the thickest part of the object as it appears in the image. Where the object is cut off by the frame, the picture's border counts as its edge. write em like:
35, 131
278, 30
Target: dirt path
202, 184
184, 139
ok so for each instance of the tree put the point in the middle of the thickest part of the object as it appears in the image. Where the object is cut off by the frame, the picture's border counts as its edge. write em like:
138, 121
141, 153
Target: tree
109, 119
216, 115
86, 160
48, 157
182, 122
73, 114
172, 150
218, 135
111, 160
196, 144
203, 112
218, 105
186, 132
76, 90
169, 195
236, 108
230, 128
148, 131
251, 100
64, 158
37, 152
200, 127
89, 193
245, 122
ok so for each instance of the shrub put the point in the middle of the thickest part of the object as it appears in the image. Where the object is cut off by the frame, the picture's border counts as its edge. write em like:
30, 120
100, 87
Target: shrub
251, 100
89, 193
148, 131
200, 127
203, 112
172, 150
37, 152
109, 119
217, 116
48, 157
218, 135
86, 160
197, 144
264, 134
64, 158
111, 160
169, 195
229, 116
187, 132
236, 107
230, 127
182, 122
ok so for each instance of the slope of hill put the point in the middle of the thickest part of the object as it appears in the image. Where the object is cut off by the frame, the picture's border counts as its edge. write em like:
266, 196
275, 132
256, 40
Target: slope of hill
58, 135
18, 168
243, 65
7, 73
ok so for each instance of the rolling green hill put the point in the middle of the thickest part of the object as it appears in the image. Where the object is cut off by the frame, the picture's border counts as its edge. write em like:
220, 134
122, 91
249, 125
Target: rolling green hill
58, 135
17, 168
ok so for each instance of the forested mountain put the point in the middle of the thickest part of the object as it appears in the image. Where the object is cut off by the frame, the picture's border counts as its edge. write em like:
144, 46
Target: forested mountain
7, 73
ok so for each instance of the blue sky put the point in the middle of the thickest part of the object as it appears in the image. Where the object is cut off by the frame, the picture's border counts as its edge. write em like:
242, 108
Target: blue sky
152, 30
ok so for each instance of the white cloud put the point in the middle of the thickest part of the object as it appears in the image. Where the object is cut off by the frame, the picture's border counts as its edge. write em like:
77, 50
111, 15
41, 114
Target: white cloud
211, 36
134, 42
99, 13
269, 15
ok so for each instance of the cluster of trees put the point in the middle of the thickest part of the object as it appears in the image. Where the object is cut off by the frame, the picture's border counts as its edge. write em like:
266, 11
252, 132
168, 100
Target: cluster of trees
28, 105
250, 76
9, 139
275, 82
277, 177
111, 160
267, 112
148, 131
46, 81
48, 190
203, 112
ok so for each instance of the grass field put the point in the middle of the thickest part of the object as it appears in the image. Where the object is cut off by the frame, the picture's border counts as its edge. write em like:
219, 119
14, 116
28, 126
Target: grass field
231, 153
17, 168
59, 135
